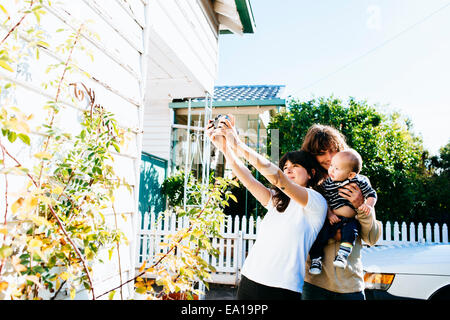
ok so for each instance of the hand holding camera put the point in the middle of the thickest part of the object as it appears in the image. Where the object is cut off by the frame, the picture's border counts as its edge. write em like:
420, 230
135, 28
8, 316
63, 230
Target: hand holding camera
221, 130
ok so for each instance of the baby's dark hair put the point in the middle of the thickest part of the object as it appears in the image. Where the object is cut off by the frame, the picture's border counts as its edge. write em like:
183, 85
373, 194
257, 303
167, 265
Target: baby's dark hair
354, 158
307, 161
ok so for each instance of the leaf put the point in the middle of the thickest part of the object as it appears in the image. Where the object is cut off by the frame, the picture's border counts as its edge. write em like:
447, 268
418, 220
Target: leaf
141, 290
73, 292
33, 279
111, 294
64, 275
16, 205
43, 44
40, 220
4, 10
116, 147
3, 285
6, 66
35, 243
12, 136
142, 267
25, 139
43, 155
5, 252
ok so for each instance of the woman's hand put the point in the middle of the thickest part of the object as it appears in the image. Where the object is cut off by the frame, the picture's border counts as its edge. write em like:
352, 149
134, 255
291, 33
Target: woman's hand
352, 193
228, 130
216, 138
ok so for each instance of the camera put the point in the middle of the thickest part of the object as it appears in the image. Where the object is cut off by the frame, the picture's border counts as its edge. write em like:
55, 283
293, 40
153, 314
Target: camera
217, 119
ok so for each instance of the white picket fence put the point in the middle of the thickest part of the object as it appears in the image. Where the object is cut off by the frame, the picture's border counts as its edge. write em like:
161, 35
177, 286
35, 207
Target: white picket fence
239, 234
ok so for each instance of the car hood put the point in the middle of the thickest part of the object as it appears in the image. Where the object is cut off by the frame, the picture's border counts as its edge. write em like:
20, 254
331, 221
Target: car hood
409, 258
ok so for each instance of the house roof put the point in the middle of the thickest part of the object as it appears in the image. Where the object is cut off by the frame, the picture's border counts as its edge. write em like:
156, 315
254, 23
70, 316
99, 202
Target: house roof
240, 96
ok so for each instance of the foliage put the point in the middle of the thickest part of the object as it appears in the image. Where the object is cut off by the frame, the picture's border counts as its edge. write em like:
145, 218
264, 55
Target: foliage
433, 189
181, 265
173, 188
393, 157
54, 229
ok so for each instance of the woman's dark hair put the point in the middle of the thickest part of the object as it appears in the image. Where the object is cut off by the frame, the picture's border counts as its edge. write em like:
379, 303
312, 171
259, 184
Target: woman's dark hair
307, 161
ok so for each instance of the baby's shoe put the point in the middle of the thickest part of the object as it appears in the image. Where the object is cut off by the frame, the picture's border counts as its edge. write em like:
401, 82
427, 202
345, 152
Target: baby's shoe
342, 256
316, 266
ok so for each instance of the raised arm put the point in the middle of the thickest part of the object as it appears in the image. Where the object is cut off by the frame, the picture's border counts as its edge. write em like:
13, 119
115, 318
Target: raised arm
269, 170
256, 188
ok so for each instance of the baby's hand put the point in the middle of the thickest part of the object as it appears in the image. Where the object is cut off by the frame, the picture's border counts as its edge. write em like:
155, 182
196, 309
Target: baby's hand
365, 209
332, 217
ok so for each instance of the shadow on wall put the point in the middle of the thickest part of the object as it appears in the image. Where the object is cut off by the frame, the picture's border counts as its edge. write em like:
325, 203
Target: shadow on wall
153, 173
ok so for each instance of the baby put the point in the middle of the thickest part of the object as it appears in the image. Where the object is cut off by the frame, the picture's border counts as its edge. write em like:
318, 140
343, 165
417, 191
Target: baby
345, 167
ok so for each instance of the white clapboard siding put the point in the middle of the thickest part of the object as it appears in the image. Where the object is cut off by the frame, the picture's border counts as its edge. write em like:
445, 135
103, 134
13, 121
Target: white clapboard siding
183, 55
157, 126
118, 77
239, 234
182, 27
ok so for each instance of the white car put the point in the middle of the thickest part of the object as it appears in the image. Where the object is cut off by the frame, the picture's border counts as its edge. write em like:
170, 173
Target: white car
407, 271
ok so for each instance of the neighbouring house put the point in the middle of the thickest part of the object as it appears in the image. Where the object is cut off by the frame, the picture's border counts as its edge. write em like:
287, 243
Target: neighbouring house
183, 62
147, 53
251, 105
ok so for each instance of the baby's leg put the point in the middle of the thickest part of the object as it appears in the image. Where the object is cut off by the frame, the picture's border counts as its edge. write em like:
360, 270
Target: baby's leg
350, 230
321, 241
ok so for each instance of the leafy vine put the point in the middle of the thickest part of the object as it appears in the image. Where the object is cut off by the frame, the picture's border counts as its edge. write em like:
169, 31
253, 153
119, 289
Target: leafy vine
53, 229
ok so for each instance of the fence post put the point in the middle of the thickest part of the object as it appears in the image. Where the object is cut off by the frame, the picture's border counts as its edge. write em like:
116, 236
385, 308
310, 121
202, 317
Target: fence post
396, 232
412, 232
244, 240
228, 242
144, 240
404, 232
436, 233
236, 247
428, 232
420, 237
251, 231
382, 232
388, 231
444, 233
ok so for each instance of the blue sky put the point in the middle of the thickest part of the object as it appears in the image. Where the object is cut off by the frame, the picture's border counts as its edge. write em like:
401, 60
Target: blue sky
393, 53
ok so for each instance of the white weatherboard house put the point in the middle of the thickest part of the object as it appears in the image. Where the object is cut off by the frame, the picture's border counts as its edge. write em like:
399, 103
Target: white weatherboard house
148, 53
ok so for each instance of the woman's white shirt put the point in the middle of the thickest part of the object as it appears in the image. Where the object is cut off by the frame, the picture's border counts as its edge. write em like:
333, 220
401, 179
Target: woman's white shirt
278, 257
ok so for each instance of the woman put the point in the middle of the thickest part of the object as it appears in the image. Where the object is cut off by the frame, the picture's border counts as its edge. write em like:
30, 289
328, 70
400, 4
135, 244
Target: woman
275, 266
323, 142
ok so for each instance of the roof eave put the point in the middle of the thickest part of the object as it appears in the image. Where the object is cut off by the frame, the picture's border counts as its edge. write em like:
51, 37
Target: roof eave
245, 13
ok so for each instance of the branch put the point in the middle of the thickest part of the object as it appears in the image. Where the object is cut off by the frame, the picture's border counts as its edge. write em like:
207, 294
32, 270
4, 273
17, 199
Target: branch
17, 24
164, 256
61, 226
58, 93
6, 201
